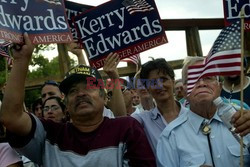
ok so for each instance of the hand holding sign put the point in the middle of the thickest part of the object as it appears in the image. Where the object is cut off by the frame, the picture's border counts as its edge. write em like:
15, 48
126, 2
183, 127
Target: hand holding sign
119, 26
24, 51
45, 21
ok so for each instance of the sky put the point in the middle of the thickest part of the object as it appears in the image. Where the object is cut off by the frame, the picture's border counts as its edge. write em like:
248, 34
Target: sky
179, 9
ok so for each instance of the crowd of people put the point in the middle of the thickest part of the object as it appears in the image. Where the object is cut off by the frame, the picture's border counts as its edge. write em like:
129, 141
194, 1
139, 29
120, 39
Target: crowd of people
148, 122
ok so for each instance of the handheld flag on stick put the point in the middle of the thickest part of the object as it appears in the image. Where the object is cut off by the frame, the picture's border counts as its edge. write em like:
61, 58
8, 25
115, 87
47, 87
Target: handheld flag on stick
223, 59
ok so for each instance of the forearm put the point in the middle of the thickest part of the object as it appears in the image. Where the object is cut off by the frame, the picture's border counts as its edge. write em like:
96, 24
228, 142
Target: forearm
12, 112
117, 104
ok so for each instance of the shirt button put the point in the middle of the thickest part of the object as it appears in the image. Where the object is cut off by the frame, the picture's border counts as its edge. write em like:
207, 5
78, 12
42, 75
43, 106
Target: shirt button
212, 136
218, 156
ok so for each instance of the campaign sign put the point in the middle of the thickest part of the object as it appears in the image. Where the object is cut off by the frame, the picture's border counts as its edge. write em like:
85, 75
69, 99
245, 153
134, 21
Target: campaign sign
73, 9
232, 10
44, 20
126, 27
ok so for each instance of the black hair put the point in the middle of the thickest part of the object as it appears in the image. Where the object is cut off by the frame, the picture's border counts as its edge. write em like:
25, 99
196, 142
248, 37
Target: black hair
59, 101
156, 64
35, 103
50, 82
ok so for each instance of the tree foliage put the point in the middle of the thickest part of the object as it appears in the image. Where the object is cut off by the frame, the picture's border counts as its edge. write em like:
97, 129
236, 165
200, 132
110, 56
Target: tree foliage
40, 67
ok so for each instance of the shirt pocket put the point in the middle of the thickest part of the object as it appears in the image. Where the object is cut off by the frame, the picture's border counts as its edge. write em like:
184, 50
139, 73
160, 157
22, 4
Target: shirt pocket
234, 150
193, 160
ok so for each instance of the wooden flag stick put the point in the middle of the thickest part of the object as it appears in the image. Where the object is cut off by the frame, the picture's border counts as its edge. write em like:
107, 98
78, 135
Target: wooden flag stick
242, 81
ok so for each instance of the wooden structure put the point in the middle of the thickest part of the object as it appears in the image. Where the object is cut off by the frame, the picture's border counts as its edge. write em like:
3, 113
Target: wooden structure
190, 26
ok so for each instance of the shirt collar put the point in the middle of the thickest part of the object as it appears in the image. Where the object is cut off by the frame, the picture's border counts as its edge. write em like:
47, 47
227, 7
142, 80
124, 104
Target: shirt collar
155, 113
195, 120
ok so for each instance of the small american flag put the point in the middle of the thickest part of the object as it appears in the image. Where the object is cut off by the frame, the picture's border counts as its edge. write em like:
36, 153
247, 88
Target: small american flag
134, 6
223, 59
4, 51
56, 2
135, 59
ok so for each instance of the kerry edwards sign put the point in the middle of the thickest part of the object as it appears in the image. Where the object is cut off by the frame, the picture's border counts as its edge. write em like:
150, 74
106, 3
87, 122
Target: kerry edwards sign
232, 10
73, 9
127, 27
44, 20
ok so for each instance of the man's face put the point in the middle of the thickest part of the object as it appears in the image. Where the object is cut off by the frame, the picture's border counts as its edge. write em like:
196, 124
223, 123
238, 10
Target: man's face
38, 110
81, 101
205, 91
49, 91
142, 91
136, 99
179, 90
164, 89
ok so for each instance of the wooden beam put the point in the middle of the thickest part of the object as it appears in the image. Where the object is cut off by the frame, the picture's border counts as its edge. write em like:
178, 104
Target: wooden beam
202, 24
176, 64
64, 60
193, 42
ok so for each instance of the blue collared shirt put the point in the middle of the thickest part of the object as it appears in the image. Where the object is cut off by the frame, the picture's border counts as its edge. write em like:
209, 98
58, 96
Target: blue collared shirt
153, 124
183, 144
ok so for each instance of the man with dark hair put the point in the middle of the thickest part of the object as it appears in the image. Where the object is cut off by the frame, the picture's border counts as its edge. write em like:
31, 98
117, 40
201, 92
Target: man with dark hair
179, 90
89, 140
50, 88
158, 78
37, 107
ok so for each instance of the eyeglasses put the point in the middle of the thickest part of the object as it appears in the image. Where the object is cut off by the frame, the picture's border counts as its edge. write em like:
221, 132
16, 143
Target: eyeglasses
52, 108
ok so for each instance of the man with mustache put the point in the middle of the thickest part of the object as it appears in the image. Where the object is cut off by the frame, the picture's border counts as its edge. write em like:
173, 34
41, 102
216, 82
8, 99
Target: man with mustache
89, 140
199, 137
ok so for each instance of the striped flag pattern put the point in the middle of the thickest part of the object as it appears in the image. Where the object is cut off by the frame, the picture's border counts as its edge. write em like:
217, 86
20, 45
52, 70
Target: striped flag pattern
4, 51
56, 2
135, 59
134, 6
223, 59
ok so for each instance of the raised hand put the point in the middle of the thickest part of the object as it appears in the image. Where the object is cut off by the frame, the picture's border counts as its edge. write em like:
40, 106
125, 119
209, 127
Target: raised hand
110, 65
23, 51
